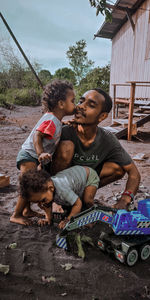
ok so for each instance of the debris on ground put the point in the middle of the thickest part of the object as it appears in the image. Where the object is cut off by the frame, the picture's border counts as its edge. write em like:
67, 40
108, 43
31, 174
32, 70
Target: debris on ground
48, 279
64, 294
140, 157
4, 180
76, 242
4, 269
12, 246
67, 266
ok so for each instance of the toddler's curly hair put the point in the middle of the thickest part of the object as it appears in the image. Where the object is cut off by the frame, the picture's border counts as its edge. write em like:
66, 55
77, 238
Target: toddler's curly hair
55, 91
33, 181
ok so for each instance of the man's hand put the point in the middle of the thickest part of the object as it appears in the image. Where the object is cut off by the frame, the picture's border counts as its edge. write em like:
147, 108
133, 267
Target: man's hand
122, 203
45, 157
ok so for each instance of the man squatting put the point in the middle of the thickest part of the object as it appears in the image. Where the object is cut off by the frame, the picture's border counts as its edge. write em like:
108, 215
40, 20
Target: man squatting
89, 145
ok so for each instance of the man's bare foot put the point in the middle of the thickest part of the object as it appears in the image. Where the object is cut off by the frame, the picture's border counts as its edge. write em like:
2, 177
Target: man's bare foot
29, 213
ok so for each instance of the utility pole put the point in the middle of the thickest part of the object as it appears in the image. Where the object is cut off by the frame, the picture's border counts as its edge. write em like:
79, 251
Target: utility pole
21, 50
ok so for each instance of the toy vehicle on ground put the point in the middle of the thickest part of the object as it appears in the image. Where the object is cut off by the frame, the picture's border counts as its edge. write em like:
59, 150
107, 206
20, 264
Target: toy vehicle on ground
130, 237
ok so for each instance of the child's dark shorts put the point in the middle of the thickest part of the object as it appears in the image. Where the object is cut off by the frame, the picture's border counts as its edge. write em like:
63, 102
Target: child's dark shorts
24, 156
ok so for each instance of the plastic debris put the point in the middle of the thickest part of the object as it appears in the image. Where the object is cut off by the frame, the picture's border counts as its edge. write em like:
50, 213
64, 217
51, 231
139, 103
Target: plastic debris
48, 279
12, 246
75, 243
64, 294
140, 156
147, 194
87, 239
81, 252
67, 266
4, 269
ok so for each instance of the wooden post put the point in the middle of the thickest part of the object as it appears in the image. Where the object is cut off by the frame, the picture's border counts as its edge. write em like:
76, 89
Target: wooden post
114, 101
131, 107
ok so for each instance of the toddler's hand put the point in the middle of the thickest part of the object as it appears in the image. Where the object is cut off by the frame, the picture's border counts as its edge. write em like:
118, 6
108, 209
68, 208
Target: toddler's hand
45, 157
63, 223
43, 222
69, 122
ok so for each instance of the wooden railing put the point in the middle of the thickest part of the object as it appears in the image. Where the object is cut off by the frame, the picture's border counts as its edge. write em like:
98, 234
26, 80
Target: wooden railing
130, 102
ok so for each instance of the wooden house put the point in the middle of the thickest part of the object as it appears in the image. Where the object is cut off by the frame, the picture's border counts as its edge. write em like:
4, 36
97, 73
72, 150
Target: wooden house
130, 59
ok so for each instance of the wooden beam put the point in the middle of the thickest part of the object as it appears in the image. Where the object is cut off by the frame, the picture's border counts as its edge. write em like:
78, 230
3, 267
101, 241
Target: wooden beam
130, 18
114, 98
131, 107
139, 123
122, 101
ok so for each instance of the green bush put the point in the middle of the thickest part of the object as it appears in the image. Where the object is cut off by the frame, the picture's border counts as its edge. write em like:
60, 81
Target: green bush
23, 96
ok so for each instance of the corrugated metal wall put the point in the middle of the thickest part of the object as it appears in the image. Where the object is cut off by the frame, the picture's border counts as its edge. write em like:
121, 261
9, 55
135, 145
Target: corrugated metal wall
131, 54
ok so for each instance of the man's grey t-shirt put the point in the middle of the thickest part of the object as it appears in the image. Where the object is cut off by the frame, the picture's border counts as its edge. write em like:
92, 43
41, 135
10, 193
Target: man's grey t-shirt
69, 185
105, 148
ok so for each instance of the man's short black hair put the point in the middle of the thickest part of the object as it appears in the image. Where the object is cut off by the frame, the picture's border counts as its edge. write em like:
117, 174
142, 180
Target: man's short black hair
33, 181
55, 91
107, 105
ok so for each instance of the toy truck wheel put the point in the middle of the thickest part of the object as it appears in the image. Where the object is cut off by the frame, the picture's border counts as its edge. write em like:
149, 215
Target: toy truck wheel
132, 257
145, 252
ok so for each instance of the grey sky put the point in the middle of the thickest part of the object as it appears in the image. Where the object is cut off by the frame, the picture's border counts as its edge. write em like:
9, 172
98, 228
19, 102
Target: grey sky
45, 30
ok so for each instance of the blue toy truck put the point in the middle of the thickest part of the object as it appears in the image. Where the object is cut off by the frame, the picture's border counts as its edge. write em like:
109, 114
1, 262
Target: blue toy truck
130, 237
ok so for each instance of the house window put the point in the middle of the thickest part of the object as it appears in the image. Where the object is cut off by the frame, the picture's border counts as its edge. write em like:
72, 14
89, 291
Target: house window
147, 54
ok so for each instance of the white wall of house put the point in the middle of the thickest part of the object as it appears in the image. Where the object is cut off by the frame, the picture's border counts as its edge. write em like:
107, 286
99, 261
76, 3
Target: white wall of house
131, 54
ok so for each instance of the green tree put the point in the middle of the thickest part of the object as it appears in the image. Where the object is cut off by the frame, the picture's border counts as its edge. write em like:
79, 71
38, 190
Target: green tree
66, 74
103, 8
45, 76
78, 60
97, 78
17, 83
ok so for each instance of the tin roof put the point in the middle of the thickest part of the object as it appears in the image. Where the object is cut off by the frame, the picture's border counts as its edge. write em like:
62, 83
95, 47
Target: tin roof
119, 17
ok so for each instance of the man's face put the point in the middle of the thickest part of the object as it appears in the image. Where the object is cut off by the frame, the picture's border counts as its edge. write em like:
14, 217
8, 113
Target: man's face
43, 198
89, 108
69, 105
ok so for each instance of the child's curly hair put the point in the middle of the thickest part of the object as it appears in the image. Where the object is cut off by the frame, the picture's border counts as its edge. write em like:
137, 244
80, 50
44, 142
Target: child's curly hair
33, 181
55, 91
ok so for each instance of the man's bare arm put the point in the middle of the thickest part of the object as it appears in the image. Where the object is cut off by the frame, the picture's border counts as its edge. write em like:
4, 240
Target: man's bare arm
131, 185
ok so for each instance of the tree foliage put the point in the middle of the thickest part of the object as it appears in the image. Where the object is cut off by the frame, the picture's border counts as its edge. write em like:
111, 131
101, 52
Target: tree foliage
101, 7
78, 59
17, 83
19, 86
97, 78
45, 76
66, 74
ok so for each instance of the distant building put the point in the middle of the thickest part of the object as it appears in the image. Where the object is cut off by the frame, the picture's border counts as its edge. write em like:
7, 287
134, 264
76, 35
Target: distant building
130, 35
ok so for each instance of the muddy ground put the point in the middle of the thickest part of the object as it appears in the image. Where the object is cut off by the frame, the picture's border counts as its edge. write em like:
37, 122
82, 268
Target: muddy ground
35, 257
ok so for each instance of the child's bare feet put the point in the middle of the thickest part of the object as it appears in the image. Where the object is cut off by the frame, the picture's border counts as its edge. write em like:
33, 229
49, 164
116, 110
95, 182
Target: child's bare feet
20, 220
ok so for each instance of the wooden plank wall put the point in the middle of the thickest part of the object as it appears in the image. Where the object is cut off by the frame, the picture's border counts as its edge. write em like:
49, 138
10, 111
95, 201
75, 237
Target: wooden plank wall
131, 54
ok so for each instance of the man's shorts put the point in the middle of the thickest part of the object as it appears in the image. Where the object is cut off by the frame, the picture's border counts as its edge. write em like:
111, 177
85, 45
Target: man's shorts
93, 178
24, 156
